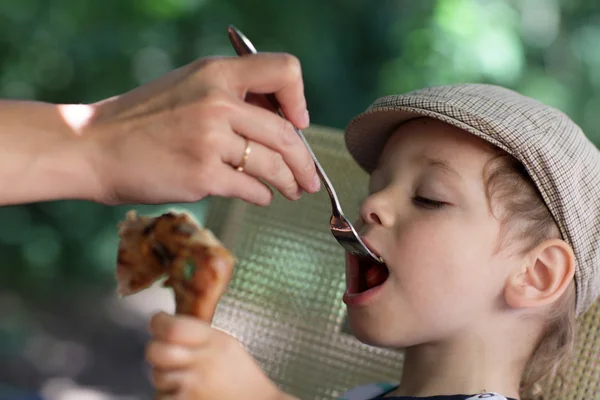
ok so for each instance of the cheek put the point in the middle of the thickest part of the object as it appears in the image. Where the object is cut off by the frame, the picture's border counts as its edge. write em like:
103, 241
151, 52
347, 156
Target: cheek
442, 265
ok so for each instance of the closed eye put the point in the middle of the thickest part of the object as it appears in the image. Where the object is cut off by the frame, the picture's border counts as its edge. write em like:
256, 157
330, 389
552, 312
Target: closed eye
424, 202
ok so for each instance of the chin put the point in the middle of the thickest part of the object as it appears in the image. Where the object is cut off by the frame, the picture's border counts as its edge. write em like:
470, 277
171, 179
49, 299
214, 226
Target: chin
380, 334
367, 332
365, 335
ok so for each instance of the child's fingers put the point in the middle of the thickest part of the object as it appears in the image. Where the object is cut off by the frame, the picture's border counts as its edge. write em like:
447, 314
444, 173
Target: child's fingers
167, 380
166, 355
180, 329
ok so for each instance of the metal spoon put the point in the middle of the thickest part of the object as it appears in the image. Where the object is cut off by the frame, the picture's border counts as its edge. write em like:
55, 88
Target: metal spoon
340, 226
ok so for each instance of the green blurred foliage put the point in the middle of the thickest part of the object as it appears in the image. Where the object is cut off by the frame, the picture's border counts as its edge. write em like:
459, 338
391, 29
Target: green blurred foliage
352, 51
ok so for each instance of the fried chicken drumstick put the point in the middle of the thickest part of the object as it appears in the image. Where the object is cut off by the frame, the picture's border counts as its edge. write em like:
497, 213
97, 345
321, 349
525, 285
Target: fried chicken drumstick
197, 265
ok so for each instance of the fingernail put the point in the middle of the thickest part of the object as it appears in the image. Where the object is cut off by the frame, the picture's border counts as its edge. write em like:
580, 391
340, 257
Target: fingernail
306, 118
316, 183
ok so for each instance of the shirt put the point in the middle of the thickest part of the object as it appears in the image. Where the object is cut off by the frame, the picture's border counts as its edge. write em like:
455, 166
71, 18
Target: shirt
379, 390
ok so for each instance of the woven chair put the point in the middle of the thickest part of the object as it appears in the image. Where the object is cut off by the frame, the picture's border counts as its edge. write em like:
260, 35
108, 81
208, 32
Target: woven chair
284, 302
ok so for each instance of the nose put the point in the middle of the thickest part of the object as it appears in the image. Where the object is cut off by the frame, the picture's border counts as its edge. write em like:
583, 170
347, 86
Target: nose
377, 209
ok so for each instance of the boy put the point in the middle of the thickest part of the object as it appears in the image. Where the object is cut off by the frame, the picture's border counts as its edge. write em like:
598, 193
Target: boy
484, 206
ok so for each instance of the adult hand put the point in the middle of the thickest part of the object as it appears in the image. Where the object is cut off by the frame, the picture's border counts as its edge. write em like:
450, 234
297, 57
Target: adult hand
180, 138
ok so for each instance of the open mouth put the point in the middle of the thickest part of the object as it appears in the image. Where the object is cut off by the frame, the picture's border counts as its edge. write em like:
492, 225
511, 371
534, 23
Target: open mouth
364, 274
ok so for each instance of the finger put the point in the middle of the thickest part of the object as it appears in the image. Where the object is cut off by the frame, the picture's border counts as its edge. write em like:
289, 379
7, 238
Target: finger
270, 130
277, 73
265, 164
181, 329
232, 183
166, 355
260, 100
167, 380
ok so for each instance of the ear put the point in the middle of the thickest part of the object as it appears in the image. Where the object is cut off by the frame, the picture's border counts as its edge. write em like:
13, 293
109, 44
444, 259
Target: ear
546, 273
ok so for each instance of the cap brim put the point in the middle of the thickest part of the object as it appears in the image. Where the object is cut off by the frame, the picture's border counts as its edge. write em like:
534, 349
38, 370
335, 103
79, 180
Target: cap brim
367, 134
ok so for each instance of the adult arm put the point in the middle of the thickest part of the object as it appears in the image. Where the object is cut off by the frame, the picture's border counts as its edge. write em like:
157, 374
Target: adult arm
176, 139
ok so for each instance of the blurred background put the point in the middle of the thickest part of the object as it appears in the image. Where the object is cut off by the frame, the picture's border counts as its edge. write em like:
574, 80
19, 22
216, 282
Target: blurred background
63, 333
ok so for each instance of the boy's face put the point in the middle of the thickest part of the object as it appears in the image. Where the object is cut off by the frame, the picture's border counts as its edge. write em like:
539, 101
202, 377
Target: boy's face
429, 218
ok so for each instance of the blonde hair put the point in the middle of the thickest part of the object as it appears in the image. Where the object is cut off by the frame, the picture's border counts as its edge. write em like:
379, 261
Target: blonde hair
526, 220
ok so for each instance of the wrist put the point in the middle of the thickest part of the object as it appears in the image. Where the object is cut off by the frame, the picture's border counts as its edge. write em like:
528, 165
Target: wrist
43, 154
100, 131
87, 150
71, 164
69, 167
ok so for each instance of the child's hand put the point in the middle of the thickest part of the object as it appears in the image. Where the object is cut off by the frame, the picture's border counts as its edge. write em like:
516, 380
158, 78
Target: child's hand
192, 360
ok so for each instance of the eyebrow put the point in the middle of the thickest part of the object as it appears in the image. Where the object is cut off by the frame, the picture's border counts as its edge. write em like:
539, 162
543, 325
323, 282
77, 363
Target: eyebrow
442, 165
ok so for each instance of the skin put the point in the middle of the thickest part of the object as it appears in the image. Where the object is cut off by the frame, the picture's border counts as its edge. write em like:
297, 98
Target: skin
467, 315
192, 360
176, 139
452, 300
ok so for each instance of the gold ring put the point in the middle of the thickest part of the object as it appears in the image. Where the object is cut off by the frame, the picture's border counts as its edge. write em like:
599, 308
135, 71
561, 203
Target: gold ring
240, 167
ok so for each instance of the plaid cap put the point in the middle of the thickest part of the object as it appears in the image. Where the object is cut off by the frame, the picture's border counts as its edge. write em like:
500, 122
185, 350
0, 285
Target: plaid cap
561, 160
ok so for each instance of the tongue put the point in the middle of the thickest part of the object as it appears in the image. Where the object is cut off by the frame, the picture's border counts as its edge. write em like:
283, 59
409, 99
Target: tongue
375, 276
